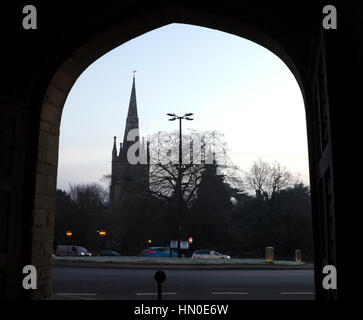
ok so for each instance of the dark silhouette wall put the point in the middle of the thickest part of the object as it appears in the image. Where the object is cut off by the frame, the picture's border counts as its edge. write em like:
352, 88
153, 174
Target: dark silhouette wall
38, 68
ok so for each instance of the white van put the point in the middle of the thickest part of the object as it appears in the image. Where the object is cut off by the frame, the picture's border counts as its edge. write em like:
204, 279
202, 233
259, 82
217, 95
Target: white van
72, 251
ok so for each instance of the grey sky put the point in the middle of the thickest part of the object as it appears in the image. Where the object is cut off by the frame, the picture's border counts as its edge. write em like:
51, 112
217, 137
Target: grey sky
230, 84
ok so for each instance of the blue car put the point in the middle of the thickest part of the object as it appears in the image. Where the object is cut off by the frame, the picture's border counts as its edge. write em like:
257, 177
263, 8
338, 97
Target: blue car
158, 252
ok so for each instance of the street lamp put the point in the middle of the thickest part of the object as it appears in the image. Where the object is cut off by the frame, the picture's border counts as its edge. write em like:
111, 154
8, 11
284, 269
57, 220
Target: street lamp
69, 235
173, 118
102, 234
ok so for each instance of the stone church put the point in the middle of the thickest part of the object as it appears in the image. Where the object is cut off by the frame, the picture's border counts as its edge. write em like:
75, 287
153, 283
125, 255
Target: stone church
129, 181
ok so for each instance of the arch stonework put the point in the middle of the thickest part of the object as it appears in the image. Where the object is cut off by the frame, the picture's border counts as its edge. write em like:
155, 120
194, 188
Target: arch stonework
61, 85
303, 52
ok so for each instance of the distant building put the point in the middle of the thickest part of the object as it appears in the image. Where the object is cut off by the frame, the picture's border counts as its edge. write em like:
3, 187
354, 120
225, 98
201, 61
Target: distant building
129, 180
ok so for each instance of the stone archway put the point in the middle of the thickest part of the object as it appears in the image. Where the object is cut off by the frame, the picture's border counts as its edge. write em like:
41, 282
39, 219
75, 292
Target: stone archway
68, 72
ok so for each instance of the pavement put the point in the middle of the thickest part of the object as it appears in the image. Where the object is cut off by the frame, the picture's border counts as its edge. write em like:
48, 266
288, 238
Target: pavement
98, 283
184, 266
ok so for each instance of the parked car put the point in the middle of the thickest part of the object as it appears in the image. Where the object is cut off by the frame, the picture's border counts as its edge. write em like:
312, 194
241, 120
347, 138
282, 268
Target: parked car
209, 254
72, 251
158, 252
109, 253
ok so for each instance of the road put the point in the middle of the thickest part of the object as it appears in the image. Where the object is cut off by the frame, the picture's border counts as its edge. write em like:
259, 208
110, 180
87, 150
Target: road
81, 283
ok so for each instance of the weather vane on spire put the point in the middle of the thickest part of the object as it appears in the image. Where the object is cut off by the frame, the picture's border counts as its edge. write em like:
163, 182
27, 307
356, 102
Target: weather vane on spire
134, 72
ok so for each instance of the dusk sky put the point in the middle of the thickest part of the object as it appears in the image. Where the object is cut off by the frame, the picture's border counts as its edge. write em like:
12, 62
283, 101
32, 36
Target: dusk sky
231, 84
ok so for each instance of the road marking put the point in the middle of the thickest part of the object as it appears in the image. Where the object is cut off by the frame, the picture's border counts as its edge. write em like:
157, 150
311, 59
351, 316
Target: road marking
305, 292
80, 298
229, 292
77, 294
153, 293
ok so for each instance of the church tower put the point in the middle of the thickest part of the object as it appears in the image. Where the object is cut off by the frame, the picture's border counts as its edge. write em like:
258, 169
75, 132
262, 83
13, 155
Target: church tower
129, 179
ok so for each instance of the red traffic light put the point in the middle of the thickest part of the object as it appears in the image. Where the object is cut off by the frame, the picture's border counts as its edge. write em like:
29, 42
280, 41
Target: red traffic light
102, 233
190, 240
69, 234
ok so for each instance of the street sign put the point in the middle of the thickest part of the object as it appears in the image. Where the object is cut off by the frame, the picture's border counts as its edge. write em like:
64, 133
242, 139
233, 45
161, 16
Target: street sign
184, 245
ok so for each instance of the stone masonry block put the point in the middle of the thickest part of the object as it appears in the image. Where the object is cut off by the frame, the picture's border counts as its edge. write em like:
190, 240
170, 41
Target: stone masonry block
56, 97
47, 169
50, 114
43, 201
41, 184
51, 185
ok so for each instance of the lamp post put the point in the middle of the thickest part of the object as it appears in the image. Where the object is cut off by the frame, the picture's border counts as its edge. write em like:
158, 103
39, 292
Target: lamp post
102, 234
69, 235
180, 118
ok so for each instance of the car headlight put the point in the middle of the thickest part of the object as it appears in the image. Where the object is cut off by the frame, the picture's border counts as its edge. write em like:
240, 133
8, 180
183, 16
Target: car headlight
82, 253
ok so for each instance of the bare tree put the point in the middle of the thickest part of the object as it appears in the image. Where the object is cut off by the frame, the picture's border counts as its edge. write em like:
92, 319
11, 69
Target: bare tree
199, 149
86, 195
257, 178
280, 178
265, 179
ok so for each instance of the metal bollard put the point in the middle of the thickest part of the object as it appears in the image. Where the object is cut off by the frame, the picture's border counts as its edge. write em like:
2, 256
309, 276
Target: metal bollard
269, 256
159, 278
298, 255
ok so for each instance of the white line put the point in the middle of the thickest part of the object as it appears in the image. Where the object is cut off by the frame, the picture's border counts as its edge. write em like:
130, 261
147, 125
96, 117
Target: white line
153, 293
297, 292
229, 292
77, 294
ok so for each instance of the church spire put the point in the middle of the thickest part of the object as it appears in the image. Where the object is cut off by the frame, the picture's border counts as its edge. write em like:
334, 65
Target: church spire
133, 106
114, 150
132, 120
